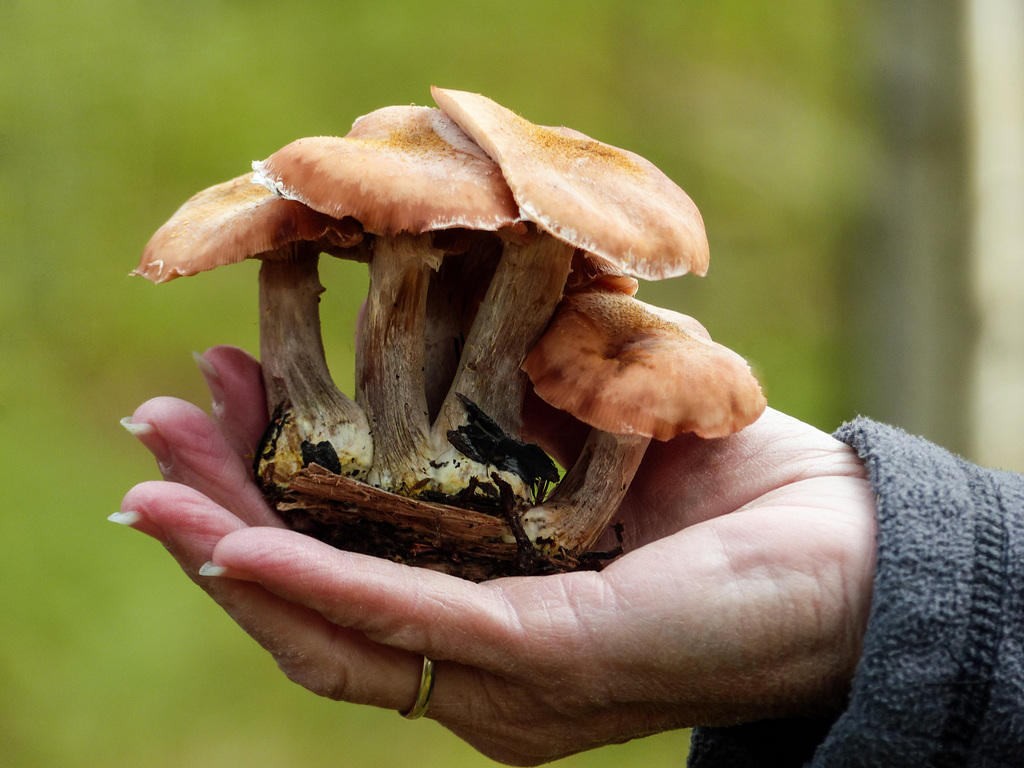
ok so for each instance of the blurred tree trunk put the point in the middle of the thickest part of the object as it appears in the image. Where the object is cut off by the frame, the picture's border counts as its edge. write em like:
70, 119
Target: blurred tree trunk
913, 324
995, 43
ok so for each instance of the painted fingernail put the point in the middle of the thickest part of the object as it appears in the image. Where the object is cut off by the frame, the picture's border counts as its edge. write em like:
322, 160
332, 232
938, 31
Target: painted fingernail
209, 569
213, 382
129, 517
150, 437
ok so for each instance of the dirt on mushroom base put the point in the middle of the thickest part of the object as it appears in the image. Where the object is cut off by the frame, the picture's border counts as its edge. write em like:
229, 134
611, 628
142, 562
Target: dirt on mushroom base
465, 537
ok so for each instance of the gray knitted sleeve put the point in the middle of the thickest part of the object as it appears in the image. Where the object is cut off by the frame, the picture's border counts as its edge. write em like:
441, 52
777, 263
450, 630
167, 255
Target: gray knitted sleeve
941, 680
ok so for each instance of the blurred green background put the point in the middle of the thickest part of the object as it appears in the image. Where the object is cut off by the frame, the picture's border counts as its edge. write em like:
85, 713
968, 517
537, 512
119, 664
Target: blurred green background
113, 112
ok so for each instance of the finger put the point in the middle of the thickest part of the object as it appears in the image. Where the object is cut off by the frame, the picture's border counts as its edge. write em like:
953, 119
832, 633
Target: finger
412, 611
495, 685
327, 659
495, 626
238, 403
187, 522
189, 449
389, 602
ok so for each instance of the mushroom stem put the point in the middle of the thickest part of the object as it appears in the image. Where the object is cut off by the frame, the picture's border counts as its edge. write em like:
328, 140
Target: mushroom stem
578, 511
489, 385
520, 300
456, 293
315, 422
390, 368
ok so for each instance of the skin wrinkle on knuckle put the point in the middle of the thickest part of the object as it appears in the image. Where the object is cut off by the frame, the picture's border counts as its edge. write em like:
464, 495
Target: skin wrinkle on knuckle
523, 634
207, 457
406, 635
391, 624
215, 464
320, 670
502, 620
297, 668
201, 463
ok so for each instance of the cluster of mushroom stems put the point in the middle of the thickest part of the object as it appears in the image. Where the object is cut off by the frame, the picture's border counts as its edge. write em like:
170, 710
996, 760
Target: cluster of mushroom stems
502, 256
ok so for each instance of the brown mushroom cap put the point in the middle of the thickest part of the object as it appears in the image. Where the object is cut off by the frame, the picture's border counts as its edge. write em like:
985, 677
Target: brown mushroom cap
400, 169
627, 367
231, 222
610, 202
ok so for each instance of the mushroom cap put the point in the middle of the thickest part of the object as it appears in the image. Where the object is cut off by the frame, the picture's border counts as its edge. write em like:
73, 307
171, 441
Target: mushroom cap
627, 367
400, 169
231, 222
610, 202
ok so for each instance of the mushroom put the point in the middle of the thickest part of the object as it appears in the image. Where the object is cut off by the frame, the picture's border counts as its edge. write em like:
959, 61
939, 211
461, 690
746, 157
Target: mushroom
500, 253
628, 367
238, 220
404, 172
634, 372
628, 220
628, 216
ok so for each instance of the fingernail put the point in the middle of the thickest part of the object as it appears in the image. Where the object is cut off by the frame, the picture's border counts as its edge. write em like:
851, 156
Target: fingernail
213, 382
209, 569
150, 437
138, 522
139, 430
129, 517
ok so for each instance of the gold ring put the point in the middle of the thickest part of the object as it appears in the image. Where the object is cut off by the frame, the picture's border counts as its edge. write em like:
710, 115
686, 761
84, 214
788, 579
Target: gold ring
419, 707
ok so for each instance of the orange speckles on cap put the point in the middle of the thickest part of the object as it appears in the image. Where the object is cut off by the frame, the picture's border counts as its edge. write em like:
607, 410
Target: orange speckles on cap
613, 204
400, 169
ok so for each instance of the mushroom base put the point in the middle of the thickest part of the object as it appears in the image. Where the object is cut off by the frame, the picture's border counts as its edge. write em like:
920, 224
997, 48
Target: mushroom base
469, 543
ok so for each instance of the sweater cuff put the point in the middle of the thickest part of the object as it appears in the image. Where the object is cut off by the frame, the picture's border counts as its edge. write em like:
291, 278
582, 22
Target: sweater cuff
941, 672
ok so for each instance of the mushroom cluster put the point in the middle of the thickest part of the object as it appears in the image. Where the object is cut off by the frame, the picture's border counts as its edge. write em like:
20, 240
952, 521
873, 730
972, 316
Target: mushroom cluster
502, 255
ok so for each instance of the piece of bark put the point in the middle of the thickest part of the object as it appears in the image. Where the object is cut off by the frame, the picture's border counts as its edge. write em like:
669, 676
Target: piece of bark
357, 517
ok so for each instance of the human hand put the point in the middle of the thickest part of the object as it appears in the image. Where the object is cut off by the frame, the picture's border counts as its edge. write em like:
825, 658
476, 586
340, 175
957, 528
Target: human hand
743, 592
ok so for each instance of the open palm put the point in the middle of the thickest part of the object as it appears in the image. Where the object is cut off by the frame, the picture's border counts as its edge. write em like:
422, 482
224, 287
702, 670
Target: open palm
743, 591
